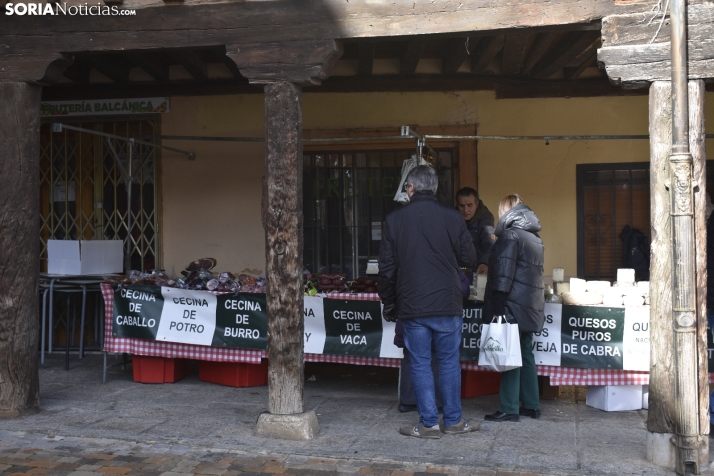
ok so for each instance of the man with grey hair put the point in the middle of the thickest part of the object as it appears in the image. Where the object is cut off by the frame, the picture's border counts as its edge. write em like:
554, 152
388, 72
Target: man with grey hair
423, 246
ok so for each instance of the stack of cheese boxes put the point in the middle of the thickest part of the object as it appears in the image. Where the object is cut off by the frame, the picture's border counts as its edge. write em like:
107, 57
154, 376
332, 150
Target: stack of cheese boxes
624, 292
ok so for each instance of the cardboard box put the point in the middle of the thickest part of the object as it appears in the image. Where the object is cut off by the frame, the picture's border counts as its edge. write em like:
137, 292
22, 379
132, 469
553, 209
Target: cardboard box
85, 257
615, 398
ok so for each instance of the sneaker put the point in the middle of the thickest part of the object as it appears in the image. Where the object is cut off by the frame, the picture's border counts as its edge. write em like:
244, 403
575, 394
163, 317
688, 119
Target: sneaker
421, 431
403, 408
461, 427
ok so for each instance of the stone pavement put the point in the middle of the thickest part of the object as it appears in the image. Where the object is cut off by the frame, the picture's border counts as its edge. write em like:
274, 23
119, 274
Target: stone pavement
23, 453
85, 428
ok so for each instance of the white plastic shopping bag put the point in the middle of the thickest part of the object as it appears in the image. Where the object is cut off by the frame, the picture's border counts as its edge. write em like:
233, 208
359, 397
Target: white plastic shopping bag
500, 346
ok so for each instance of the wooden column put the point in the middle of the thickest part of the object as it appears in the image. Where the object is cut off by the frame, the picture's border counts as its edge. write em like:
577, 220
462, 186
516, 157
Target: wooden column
284, 67
661, 413
283, 246
19, 247
661, 416
697, 138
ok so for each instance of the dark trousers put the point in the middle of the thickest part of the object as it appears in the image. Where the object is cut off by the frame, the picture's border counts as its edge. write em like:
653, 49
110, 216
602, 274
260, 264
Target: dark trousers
407, 396
521, 383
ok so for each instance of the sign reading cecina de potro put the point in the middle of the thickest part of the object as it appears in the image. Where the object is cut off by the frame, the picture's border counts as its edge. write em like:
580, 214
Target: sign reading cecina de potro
103, 107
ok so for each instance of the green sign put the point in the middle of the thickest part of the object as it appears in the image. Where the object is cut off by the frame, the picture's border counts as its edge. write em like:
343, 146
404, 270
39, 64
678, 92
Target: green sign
353, 327
592, 337
241, 321
137, 312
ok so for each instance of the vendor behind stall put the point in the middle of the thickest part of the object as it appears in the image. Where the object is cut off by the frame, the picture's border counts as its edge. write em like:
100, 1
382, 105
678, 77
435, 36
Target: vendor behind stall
479, 221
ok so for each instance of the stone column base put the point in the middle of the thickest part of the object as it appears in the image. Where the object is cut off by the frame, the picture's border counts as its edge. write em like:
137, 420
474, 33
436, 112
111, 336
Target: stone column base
662, 452
298, 426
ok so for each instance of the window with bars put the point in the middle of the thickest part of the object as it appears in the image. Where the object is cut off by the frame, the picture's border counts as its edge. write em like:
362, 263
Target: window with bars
610, 196
83, 195
346, 197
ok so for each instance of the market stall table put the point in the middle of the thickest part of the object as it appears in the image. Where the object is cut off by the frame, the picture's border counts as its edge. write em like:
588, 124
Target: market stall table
558, 375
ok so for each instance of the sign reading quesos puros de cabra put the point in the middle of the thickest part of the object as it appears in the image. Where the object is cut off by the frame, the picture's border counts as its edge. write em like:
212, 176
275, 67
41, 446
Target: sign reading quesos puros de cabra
577, 336
573, 336
104, 107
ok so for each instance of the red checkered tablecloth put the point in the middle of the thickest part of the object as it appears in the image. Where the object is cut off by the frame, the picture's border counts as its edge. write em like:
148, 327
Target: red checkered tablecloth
558, 375
352, 297
583, 377
354, 360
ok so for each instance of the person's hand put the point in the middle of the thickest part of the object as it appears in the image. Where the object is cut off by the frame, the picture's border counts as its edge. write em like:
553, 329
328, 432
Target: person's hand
482, 269
389, 313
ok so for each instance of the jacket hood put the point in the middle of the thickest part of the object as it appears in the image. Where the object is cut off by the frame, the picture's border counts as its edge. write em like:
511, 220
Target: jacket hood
520, 217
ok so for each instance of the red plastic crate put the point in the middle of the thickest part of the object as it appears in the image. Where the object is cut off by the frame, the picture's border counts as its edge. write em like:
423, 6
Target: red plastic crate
159, 369
475, 383
234, 374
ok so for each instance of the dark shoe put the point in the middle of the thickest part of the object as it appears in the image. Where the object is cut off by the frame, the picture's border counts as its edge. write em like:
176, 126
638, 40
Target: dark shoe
406, 408
461, 427
535, 414
421, 431
500, 416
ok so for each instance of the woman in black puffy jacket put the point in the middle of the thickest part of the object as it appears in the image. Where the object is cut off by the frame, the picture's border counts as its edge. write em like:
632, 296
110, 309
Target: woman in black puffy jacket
515, 290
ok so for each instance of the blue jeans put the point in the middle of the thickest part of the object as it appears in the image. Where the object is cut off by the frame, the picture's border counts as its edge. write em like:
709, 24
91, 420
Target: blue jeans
446, 334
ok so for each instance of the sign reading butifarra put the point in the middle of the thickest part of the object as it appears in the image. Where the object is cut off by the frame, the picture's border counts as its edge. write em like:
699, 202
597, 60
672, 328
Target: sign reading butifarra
573, 336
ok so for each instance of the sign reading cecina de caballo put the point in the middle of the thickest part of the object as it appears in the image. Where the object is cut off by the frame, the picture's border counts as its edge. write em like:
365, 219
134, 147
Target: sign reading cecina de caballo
573, 336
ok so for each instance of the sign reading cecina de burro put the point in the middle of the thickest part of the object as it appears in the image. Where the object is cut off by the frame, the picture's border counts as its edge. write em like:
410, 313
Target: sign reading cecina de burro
573, 336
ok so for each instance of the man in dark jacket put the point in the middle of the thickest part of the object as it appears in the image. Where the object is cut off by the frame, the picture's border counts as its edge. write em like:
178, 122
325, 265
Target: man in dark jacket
479, 221
423, 245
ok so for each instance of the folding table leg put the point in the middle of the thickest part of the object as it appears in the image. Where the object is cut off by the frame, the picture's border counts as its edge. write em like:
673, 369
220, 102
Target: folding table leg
51, 329
66, 337
104, 370
81, 324
96, 319
44, 317
74, 318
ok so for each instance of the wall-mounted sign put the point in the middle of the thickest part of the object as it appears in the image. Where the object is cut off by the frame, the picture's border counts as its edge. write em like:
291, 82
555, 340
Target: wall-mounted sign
103, 107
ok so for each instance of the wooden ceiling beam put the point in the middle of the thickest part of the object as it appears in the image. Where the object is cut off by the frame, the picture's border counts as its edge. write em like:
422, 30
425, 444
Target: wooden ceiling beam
412, 53
28, 40
455, 56
300, 62
511, 87
486, 50
113, 66
514, 52
289, 20
567, 50
635, 53
366, 58
192, 62
538, 49
152, 63
574, 73
78, 72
